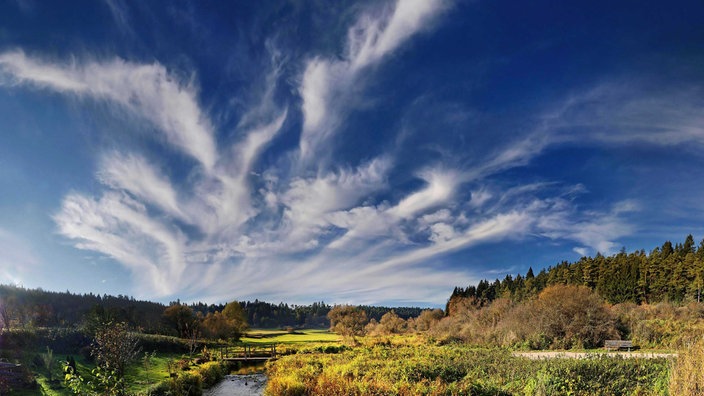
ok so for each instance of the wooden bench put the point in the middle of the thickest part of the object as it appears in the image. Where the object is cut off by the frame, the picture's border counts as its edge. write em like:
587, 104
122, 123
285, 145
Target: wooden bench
10, 373
618, 344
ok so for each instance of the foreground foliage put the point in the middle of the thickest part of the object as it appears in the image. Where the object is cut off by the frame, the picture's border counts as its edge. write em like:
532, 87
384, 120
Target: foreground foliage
687, 376
386, 369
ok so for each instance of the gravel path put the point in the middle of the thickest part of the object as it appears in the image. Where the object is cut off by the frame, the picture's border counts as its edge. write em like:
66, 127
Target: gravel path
583, 355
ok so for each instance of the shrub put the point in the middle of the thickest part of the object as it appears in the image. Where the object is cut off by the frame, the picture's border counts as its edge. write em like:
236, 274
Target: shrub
211, 373
163, 344
160, 389
186, 384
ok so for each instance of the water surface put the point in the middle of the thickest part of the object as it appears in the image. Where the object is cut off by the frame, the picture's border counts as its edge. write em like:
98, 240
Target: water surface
239, 385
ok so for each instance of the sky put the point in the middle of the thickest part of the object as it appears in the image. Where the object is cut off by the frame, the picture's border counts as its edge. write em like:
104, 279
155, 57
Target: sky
364, 152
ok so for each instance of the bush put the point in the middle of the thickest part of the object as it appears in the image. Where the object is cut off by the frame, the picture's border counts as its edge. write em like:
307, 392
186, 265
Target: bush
186, 384
191, 383
574, 316
160, 389
163, 344
211, 373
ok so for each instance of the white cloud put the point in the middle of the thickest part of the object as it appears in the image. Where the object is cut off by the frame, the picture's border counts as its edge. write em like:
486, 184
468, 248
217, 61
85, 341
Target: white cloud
441, 186
147, 91
618, 114
308, 200
480, 197
121, 228
598, 231
442, 232
372, 38
326, 84
497, 227
436, 217
134, 174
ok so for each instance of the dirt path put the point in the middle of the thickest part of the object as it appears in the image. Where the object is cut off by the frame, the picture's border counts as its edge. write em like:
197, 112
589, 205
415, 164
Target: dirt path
583, 355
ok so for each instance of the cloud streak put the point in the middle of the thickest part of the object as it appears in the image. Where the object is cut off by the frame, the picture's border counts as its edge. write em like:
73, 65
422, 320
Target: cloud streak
327, 84
617, 114
148, 91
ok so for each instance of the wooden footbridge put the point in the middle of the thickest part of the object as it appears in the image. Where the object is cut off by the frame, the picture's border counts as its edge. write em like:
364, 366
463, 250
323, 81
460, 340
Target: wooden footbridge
248, 352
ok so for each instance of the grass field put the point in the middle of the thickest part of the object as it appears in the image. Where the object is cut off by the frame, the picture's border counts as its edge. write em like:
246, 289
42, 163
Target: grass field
283, 337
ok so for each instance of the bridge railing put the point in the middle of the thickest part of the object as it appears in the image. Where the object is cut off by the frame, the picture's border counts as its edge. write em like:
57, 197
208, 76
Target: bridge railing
247, 351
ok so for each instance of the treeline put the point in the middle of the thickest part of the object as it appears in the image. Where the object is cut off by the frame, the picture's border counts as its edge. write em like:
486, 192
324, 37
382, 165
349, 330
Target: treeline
670, 273
22, 308
265, 315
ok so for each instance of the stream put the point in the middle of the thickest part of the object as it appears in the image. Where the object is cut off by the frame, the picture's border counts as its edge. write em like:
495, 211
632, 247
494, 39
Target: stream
238, 385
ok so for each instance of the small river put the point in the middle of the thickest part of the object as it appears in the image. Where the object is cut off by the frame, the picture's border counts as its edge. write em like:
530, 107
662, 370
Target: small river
239, 385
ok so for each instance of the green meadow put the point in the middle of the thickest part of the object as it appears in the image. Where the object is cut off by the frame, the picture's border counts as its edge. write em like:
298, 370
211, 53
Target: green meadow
290, 337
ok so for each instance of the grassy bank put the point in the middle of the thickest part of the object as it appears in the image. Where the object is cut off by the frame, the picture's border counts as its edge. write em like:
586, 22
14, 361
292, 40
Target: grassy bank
163, 367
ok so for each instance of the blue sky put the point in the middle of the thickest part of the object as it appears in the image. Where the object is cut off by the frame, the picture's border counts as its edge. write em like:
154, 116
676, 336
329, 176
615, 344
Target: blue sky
367, 152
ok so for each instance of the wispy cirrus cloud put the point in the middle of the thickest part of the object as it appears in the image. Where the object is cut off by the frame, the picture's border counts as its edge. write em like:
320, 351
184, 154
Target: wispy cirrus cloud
138, 218
120, 15
136, 175
313, 228
616, 114
122, 228
146, 90
327, 84
246, 221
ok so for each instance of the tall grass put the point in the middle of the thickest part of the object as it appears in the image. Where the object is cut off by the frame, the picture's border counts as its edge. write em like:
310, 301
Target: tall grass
687, 374
453, 369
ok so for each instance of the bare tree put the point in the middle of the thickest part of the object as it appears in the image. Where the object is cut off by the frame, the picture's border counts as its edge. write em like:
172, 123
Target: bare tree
4, 317
192, 332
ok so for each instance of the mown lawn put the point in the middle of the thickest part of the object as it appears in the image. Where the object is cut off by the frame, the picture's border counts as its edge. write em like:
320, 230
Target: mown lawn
284, 337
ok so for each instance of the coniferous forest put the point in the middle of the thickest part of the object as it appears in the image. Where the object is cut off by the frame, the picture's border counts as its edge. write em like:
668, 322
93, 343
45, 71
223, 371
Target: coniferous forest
669, 273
